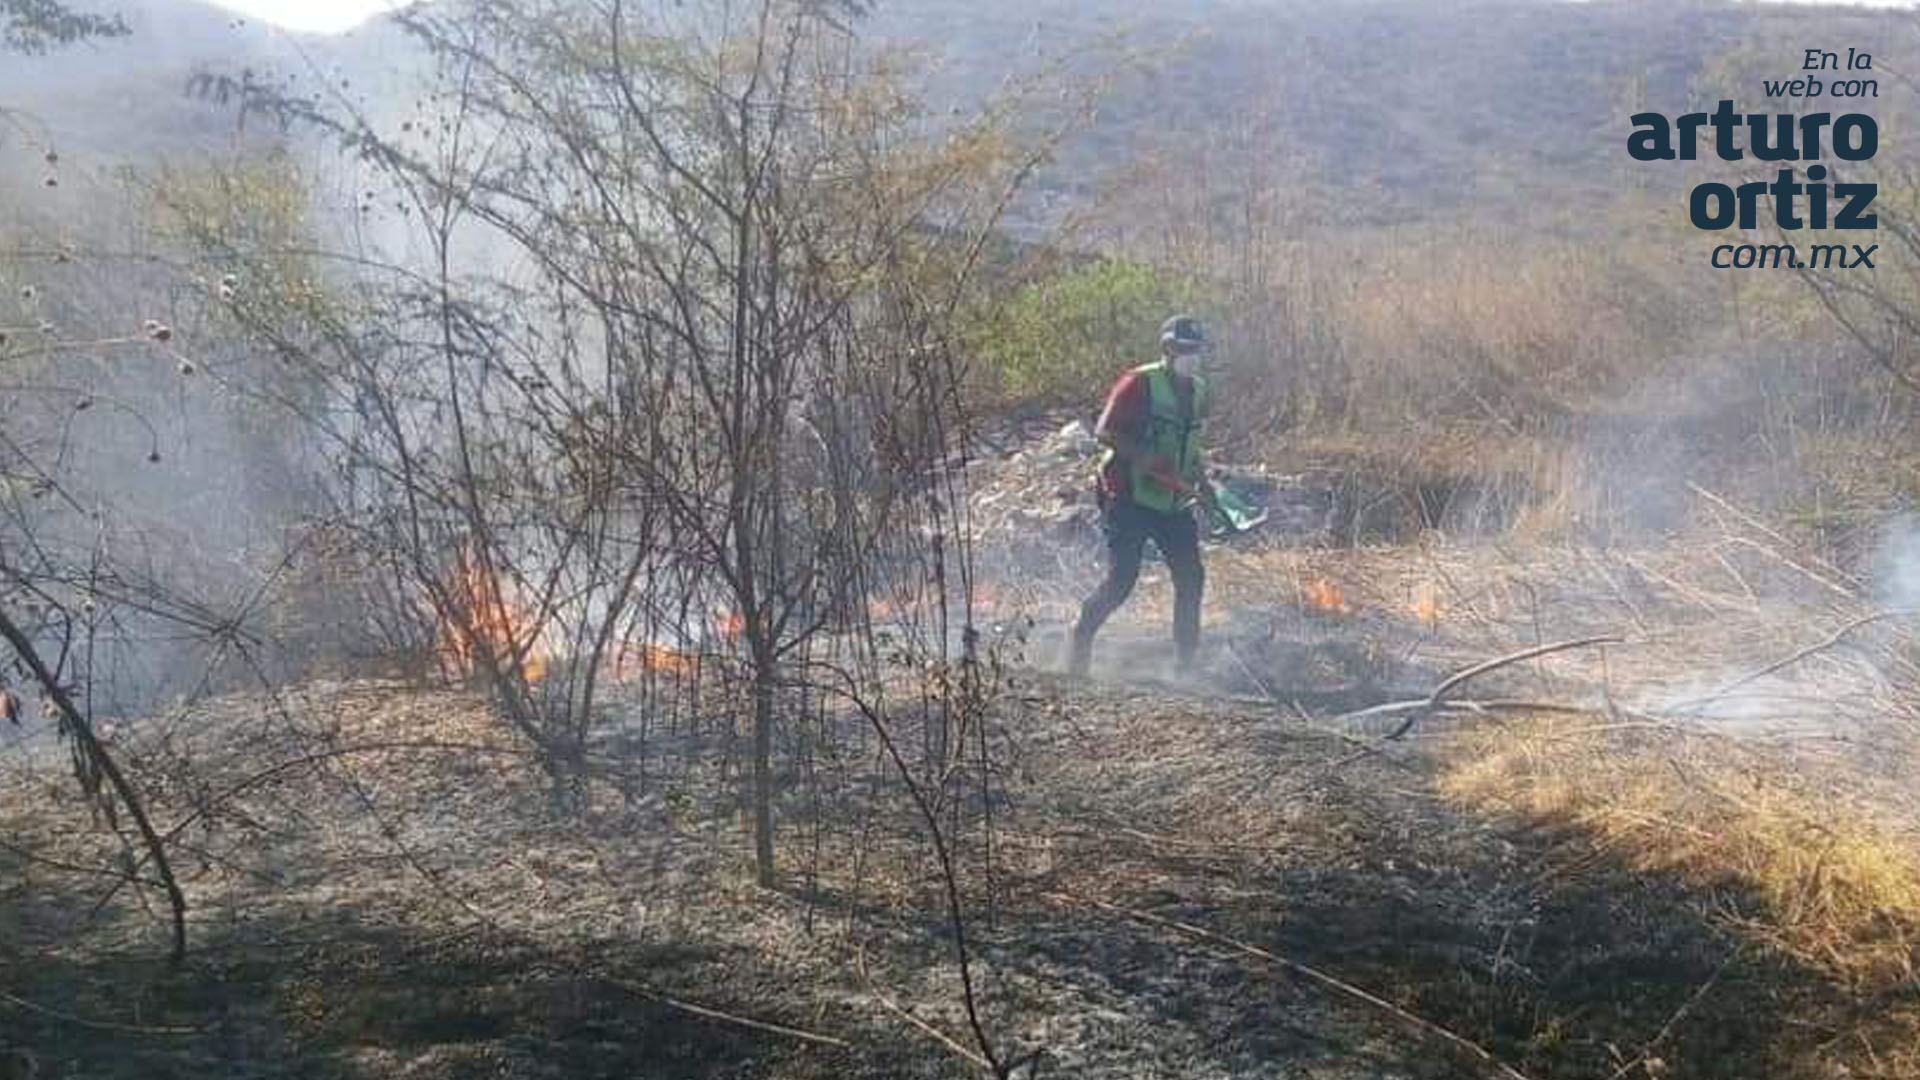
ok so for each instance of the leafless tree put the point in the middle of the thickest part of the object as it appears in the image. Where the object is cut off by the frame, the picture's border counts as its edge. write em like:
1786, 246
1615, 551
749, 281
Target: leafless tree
666, 387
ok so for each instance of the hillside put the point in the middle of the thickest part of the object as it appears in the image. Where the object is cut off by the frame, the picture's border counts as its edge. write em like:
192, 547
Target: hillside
1375, 111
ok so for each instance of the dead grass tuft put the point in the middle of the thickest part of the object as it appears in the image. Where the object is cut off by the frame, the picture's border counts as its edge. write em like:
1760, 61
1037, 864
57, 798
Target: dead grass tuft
1782, 848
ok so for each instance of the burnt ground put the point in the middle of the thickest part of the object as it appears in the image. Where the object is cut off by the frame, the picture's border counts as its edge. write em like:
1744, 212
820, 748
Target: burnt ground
430, 913
1165, 878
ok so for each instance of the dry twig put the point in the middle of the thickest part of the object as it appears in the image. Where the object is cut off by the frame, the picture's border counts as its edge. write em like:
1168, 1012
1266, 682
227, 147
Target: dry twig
952, 1044
1788, 661
96, 1025
711, 1013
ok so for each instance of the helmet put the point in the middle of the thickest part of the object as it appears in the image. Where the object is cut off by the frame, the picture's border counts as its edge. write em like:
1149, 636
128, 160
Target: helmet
1183, 334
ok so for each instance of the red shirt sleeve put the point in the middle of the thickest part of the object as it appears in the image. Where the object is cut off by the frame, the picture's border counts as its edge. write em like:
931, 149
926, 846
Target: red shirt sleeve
1127, 407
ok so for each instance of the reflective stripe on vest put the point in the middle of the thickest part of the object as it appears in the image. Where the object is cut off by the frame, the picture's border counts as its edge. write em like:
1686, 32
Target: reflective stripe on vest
1171, 432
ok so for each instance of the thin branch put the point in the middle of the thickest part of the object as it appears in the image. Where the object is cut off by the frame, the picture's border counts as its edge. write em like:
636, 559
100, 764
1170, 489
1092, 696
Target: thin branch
1453, 682
96, 1025
1795, 657
1341, 986
710, 1013
77, 727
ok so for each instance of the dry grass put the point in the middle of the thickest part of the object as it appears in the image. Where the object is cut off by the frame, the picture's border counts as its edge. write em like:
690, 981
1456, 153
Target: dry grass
1482, 327
1781, 818
1791, 848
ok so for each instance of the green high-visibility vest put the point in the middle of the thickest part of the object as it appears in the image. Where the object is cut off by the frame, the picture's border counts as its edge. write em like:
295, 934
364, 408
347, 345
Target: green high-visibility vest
1171, 431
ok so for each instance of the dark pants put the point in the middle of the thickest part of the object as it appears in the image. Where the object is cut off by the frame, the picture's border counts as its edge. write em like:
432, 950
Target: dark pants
1128, 526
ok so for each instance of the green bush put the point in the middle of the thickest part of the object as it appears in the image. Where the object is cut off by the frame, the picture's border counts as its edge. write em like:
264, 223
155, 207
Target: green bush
1066, 336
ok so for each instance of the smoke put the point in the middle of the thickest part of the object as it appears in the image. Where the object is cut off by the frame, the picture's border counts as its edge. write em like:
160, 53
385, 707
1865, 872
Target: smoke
1897, 577
1790, 698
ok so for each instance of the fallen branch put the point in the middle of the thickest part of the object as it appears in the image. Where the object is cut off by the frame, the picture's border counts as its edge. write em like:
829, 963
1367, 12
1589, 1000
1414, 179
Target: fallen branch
1395, 708
1458, 679
1487, 705
952, 1044
1435, 701
710, 1013
96, 1025
1819, 646
1843, 588
72, 868
1341, 986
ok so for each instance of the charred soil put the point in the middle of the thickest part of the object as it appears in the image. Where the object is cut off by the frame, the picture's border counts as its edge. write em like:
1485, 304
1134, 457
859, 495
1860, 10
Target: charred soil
1173, 885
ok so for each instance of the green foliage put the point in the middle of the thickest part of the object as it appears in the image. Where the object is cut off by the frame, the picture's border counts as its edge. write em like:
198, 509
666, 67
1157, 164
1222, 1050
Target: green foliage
1068, 334
243, 229
36, 26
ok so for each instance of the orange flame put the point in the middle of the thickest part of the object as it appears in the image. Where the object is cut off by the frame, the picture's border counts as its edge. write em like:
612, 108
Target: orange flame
534, 667
1323, 595
1426, 604
633, 661
491, 627
665, 661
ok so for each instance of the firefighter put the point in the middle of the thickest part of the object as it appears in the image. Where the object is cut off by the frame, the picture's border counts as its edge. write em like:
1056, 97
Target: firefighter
1151, 476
